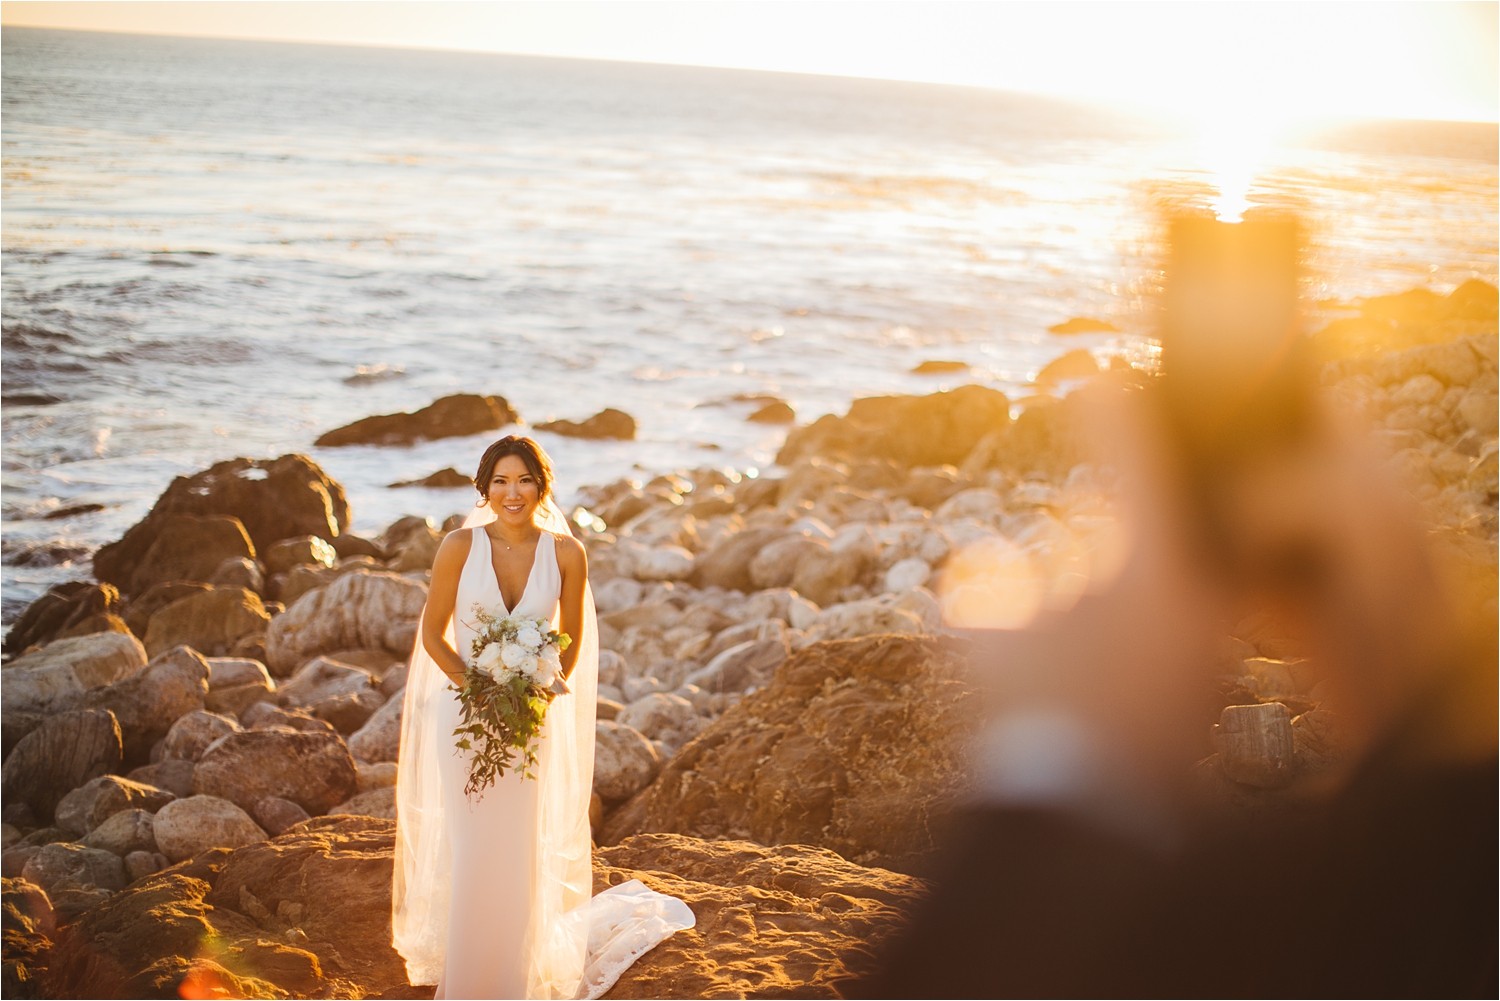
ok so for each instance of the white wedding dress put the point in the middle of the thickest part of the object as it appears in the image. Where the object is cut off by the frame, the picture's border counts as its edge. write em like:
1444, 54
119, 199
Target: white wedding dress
491, 896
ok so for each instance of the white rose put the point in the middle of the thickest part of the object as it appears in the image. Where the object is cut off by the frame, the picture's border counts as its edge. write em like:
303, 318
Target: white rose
488, 659
529, 638
514, 656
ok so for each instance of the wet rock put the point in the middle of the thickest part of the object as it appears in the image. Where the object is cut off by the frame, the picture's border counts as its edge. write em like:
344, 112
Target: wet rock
361, 609
375, 803
123, 833
607, 423
189, 547
302, 550
61, 608
624, 761
790, 921
912, 430
239, 572
277, 815
443, 478
186, 827
380, 737
274, 499
449, 417
858, 746
1083, 325
1077, 364
1255, 746
211, 622
62, 754
51, 677
94, 802
775, 412
753, 662
172, 685
314, 770
170, 774
85, 866
191, 735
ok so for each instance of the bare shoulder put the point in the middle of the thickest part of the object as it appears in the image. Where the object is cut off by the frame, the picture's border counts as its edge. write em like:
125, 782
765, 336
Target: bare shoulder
570, 553
454, 549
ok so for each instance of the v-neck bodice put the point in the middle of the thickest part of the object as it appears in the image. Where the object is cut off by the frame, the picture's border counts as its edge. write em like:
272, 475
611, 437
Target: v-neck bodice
478, 585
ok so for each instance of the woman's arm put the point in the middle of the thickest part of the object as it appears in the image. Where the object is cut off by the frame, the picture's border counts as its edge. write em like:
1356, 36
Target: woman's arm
574, 565
442, 595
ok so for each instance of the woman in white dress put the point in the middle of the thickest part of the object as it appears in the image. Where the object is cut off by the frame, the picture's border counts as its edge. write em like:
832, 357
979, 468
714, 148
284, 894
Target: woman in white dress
491, 895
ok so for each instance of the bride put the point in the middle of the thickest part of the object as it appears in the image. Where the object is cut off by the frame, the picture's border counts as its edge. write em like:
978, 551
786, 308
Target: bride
491, 893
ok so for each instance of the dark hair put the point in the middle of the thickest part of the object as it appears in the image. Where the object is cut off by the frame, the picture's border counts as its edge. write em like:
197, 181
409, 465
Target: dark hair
529, 452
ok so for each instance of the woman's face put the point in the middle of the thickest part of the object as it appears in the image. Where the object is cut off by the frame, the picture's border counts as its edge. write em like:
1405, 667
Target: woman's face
513, 492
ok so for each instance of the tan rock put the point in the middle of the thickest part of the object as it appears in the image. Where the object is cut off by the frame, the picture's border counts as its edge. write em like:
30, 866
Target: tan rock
379, 739
61, 611
189, 547
239, 571
288, 553
64, 668
776, 564
753, 662
146, 704
1254, 744
362, 609
859, 746
374, 776
211, 622
449, 417
912, 430
187, 827
94, 802
171, 775
726, 564
624, 761
191, 735
380, 802
63, 753
277, 815
124, 832
863, 618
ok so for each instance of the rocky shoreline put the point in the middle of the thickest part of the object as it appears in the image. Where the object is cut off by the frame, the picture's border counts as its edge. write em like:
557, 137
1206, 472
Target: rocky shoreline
200, 747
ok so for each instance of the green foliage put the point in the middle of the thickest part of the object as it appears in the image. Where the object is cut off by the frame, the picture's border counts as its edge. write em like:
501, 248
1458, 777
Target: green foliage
501, 721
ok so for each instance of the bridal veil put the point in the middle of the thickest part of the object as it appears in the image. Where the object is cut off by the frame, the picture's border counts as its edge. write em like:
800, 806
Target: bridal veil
562, 880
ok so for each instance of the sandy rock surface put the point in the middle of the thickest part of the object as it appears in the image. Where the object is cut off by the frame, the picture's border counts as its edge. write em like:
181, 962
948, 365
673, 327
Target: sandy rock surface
856, 746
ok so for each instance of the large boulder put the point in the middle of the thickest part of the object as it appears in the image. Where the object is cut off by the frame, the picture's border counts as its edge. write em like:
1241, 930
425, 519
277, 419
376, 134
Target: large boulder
65, 668
858, 746
124, 832
727, 563
607, 423
789, 921
235, 684
211, 621
361, 609
62, 608
29, 923
84, 866
450, 417
753, 662
652, 714
274, 499
94, 802
912, 430
60, 755
172, 775
187, 827
1047, 438
172, 685
379, 802
304, 915
313, 770
380, 738
190, 547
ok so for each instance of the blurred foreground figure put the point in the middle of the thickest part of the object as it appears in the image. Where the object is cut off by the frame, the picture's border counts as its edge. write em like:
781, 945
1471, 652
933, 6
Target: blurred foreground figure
1091, 863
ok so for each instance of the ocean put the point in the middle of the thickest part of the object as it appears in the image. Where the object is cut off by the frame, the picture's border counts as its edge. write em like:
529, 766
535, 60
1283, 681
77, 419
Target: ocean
217, 248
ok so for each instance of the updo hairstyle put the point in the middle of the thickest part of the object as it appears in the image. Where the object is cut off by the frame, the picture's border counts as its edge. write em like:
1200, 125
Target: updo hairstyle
537, 463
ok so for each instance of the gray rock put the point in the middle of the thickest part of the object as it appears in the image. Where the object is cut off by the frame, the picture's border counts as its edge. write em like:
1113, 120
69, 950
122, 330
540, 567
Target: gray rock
375, 803
85, 866
124, 832
50, 678
172, 774
1255, 744
380, 738
62, 754
314, 770
657, 712
277, 815
740, 666
191, 735
186, 827
94, 802
172, 685
625, 762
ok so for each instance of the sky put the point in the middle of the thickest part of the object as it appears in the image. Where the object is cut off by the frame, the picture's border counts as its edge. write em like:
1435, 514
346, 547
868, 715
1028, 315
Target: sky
1218, 64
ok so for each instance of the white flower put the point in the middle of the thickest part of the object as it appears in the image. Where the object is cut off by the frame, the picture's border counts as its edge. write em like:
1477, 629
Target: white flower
488, 659
547, 667
529, 638
514, 656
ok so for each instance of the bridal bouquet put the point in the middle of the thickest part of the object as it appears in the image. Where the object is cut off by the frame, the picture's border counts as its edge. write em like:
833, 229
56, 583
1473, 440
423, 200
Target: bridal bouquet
514, 672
